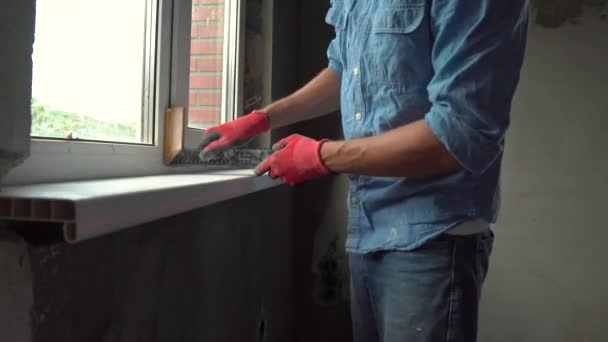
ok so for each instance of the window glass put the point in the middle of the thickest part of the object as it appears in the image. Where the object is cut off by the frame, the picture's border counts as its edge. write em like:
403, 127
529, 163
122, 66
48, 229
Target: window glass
88, 70
206, 63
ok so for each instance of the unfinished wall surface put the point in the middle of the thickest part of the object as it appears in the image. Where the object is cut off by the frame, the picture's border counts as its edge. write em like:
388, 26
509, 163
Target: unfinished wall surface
555, 13
15, 81
222, 273
16, 288
547, 280
321, 283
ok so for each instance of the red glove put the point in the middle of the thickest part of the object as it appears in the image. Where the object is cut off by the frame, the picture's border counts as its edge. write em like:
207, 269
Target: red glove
236, 132
297, 160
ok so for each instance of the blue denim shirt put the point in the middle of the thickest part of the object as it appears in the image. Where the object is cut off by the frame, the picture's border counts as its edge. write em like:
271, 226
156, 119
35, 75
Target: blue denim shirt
453, 63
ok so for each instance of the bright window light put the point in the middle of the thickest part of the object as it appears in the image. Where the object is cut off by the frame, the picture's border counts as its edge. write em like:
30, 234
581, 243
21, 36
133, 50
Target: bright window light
89, 75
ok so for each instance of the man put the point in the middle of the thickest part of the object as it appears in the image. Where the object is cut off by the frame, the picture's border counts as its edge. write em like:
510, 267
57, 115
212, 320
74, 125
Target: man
425, 88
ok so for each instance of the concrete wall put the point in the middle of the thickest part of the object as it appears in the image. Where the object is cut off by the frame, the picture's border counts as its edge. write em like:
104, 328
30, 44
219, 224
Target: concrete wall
321, 283
16, 292
222, 273
15, 81
547, 280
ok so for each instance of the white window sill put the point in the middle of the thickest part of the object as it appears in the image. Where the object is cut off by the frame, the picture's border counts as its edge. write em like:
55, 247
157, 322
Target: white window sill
88, 209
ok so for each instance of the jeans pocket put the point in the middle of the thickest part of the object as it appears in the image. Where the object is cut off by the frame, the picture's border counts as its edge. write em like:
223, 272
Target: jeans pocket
484, 244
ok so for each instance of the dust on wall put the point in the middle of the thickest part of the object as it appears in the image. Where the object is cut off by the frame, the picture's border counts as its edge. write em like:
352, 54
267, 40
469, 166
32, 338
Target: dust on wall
15, 81
16, 294
555, 13
205, 275
255, 41
545, 283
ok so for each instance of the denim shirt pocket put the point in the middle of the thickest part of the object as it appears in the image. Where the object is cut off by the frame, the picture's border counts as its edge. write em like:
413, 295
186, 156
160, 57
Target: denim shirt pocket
395, 42
398, 20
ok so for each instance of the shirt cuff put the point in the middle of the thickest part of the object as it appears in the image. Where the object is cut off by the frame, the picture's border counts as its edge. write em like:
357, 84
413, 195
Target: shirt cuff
336, 67
475, 151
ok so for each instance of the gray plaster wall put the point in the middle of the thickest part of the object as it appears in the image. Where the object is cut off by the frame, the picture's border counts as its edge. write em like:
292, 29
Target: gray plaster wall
548, 279
221, 273
321, 283
16, 288
15, 87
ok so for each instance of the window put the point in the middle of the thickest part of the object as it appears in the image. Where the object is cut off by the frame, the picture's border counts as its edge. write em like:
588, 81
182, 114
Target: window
215, 90
206, 63
91, 70
105, 73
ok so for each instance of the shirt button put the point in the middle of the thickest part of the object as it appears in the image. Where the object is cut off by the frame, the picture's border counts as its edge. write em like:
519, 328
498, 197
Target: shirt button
356, 71
358, 116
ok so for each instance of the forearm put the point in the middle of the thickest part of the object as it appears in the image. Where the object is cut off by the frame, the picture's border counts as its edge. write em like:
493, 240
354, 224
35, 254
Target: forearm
408, 151
319, 97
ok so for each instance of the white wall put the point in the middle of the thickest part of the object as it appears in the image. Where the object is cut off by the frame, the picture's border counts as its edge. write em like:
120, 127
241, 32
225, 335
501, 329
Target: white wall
548, 279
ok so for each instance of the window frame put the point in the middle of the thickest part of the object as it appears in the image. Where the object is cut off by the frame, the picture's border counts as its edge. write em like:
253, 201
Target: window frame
233, 61
53, 160
146, 128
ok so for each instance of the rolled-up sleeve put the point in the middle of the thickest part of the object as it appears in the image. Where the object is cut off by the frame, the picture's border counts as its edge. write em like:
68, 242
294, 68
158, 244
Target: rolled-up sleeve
477, 56
335, 18
333, 56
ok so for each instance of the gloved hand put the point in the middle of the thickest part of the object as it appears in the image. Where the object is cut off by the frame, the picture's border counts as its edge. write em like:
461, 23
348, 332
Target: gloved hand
297, 160
231, 134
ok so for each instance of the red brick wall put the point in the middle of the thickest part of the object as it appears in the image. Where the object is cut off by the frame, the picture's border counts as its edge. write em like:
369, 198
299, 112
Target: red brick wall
206, 62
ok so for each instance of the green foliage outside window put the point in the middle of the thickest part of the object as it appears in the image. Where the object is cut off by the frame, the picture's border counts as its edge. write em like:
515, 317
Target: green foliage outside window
53, 123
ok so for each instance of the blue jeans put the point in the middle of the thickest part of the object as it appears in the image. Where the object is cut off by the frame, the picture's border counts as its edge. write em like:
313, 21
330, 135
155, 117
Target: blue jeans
429, 294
